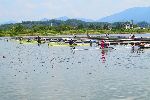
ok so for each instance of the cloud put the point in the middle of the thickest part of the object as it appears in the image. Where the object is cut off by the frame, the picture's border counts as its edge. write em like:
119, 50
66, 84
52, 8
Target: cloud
38, 9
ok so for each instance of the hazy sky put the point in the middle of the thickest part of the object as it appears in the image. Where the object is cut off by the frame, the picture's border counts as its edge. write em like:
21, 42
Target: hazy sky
39, 9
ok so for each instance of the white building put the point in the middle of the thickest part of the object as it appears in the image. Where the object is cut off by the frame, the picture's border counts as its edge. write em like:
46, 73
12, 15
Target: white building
128, 25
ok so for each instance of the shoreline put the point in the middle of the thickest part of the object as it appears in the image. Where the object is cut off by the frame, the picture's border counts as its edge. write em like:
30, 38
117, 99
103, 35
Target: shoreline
79, 34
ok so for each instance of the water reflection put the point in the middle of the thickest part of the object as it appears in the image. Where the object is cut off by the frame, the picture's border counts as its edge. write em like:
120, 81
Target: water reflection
29, 72
103, 55
72, 49
136, 49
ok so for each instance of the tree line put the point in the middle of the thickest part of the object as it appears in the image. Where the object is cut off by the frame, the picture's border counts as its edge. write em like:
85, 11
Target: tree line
71, 26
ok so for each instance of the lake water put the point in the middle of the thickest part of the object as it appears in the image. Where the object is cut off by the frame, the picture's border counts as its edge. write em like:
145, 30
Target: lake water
32, 72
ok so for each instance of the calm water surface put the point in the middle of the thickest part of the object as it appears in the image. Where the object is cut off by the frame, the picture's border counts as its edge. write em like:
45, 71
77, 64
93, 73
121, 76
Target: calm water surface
31, 72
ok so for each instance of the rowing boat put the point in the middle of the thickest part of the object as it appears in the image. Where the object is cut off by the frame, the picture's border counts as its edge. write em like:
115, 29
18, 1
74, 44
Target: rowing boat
66, 44
145, 46
28, 42
103, 49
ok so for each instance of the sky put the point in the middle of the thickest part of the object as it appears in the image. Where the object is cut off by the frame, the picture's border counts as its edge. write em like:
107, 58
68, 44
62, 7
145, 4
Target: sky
20, 10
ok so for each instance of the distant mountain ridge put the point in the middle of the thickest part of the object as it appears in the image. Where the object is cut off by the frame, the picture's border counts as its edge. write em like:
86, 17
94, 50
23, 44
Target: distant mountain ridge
85, 19
8, 22
137, 14
64, 18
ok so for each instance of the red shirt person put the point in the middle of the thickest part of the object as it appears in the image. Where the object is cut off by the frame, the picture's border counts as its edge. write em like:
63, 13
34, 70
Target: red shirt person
102, 44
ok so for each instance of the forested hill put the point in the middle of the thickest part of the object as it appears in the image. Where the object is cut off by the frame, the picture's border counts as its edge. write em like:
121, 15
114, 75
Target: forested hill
70, 26
71, 23
74, 23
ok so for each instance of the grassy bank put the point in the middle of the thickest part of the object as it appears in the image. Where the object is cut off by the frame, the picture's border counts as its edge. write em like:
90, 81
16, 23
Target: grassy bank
71, 32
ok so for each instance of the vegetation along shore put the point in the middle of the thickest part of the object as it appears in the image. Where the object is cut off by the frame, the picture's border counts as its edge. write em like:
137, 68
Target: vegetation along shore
71, 26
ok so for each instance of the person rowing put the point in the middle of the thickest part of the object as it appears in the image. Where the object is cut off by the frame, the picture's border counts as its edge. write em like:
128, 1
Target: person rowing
133, 37
39, 40
91, 43
71, 42
103, 44
20, 39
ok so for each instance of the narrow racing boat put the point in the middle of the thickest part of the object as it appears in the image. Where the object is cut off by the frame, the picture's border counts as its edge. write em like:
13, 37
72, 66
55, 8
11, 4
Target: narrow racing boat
55, 44
144, 46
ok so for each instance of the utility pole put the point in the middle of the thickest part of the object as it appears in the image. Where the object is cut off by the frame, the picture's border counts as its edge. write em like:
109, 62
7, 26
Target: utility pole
51, 24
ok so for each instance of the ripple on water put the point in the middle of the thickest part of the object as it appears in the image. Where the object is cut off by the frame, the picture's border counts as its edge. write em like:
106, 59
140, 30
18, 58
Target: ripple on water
31, 72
